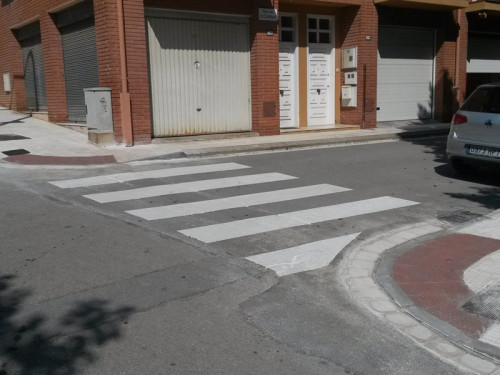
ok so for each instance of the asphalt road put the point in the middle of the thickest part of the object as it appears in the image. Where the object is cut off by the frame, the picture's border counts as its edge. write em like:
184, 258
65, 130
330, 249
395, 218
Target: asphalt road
87, 288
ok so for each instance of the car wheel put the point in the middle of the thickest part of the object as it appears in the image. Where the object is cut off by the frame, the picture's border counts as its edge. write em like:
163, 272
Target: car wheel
462, 167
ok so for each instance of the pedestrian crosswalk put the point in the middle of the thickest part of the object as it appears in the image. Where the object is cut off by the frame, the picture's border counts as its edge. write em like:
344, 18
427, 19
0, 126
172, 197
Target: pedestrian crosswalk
247, 200
193, 186
240, 228
155, 173
303, 257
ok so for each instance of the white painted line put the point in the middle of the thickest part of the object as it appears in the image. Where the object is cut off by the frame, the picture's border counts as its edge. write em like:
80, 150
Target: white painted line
194, 186
302, 258
483, 273
492, 335
193, 208
485, 228
157, 173
240, 228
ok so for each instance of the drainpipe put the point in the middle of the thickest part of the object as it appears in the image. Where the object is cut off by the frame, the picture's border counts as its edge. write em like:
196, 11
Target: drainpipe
457, 63
125, 112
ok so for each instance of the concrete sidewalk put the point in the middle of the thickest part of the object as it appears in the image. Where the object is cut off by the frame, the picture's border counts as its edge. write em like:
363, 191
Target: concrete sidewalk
28, 140
436, 283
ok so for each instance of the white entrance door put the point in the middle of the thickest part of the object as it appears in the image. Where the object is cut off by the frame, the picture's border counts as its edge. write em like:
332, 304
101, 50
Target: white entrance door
288, 70
320, 103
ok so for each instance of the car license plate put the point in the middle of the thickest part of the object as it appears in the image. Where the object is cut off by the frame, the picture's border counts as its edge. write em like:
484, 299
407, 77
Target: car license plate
489, 152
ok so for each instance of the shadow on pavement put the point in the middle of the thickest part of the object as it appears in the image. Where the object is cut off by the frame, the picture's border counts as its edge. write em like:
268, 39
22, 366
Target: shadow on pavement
15, 121
488, 196
27, 348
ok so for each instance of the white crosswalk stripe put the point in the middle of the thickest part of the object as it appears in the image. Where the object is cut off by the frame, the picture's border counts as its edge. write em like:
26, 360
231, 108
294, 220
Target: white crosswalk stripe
192, 208
193, 186
308, 256
305, 257
156, 173
240, 228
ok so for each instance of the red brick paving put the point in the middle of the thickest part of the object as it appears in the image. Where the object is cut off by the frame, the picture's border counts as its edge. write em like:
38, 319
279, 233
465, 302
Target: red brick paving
31, 159
432, 276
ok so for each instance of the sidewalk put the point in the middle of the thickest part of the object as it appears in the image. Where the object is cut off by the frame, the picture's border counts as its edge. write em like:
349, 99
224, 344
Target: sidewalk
32, 141
438, 284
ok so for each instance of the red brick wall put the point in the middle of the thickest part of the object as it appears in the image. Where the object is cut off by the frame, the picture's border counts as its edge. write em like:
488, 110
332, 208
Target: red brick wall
355, 25
451, 66
16, 14
264, 61
218, 6
19, 12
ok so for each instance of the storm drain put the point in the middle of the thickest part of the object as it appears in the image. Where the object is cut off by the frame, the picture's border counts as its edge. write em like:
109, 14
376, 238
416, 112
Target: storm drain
11, 137
458, 217
20, 151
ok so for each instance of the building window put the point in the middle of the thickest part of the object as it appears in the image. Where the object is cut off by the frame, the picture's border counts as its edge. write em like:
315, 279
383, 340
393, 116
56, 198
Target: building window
319, 30
287, 29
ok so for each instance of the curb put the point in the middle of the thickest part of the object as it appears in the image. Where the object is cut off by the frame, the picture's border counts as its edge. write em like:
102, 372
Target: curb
358, 276
297, 144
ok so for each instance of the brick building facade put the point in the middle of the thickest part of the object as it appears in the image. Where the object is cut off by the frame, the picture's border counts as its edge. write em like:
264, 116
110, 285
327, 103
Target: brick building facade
177, 68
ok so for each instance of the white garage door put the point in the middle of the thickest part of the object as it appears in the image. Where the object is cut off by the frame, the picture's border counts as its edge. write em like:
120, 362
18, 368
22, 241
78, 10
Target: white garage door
483, 54
405, 77
200, 74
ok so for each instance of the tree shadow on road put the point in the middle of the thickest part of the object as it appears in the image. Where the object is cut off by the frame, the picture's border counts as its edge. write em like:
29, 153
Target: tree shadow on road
29, 348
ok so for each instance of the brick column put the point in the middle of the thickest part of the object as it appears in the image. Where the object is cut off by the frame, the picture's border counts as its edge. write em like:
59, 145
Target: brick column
54, 69
367, 55
108, 52
359, 28
264, 60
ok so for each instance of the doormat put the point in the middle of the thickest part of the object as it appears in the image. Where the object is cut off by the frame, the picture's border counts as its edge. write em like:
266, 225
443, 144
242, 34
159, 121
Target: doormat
11, 137
20, 151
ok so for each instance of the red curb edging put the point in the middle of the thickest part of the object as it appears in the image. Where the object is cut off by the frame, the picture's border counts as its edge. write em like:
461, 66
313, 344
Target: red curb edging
30, 159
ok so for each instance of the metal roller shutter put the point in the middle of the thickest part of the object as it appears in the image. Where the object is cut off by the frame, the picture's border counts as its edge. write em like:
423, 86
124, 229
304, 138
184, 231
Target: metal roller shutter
80, 66
199, 74
405, 73
483, 54
34, 74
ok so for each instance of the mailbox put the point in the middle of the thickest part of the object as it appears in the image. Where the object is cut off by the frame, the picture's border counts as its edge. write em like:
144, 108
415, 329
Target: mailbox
349, 94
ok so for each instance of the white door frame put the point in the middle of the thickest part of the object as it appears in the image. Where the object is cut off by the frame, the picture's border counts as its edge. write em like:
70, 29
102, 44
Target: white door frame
331, 82
294, 112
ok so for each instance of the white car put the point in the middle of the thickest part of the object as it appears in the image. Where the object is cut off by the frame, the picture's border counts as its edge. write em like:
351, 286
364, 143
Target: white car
474, 138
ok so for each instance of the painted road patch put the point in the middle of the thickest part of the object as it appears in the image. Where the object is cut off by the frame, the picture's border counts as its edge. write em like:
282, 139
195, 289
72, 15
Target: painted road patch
302, 258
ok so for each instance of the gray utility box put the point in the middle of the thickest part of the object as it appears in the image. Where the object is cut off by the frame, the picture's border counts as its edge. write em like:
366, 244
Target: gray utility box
99, 109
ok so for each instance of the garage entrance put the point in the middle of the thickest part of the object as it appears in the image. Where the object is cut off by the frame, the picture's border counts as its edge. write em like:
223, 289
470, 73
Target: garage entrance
34, 74
405, 73
483, 60
199, 68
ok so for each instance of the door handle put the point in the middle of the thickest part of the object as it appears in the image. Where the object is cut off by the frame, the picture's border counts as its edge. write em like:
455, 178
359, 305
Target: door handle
282, 92
488, 123
318, 91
